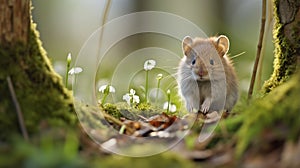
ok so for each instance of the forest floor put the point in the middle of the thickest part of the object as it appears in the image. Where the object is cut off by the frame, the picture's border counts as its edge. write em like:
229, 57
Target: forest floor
265, 133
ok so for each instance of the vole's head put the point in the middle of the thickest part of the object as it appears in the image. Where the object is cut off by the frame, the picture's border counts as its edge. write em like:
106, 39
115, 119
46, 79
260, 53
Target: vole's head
203, 56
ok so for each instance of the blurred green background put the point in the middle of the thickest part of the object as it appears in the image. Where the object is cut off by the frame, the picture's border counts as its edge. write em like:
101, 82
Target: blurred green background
65, 25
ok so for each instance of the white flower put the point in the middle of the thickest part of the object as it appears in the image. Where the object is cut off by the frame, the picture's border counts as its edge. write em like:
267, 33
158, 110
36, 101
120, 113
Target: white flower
149, 64
136, 99
127, 98
168, 92
132, 92
172, 107
69, 57
131, 97
75, 70
104, 87
159, 76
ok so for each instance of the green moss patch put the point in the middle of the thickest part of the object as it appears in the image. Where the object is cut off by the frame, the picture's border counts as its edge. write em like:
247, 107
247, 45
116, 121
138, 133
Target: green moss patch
163, 160
39, 90
285, 51
277, 115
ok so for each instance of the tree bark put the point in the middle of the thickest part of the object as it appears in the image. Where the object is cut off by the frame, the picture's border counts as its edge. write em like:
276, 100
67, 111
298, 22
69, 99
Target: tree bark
14, 21
274, 118
41, 95
286, 34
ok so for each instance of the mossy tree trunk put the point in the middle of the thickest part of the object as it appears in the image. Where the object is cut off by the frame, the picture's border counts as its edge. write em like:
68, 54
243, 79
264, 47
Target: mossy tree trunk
39, 90
270, 126
286, 34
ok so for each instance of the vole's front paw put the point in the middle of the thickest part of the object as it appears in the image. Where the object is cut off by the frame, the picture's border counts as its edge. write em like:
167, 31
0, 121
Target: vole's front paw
205, 106
192, 106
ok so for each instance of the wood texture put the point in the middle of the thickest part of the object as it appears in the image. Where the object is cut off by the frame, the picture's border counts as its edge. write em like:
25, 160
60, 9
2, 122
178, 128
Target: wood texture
14, 21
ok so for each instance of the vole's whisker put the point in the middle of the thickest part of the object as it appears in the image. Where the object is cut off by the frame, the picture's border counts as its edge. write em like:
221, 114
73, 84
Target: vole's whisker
237, 55
186, 78
173, 83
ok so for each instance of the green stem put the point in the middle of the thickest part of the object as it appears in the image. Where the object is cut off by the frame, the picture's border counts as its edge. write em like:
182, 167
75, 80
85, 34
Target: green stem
158, 85
67, 72
131, 100
104, 98
146, 87
169, 101
105, 94
122, 129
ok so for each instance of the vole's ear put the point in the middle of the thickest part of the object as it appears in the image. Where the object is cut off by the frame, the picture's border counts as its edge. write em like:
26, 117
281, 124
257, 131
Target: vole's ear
187, 45
222, 44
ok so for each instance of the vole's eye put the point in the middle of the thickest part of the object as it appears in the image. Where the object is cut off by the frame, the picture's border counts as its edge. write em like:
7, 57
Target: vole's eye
194, 62
193, 56
211, 61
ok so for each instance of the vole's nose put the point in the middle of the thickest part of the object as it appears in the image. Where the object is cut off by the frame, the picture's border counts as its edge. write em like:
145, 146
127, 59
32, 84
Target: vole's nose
201, 73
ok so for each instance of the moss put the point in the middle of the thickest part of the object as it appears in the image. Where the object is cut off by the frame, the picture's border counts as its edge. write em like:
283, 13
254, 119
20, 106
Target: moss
39, 90
112, 110
54, 148
143, 106
90, 116
285, 51
57, 150
277, 113
132, 112
163, 160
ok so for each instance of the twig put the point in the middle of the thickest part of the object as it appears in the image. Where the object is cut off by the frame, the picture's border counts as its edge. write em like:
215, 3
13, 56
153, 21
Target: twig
114, 120
268, 28
106, 10
18, 109
104, 18
259, 46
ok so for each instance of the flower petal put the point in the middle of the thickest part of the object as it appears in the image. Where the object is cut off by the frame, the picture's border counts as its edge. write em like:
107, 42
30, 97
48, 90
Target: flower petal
102, 88
132, 91
75, 70
71, 71
159, 76
69, 57
112, 89
165, 106
149, 64
136, 99
127, 98
172, 108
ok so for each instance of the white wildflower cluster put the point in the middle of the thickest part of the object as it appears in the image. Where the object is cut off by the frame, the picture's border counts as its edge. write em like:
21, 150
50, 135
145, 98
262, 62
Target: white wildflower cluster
131, 97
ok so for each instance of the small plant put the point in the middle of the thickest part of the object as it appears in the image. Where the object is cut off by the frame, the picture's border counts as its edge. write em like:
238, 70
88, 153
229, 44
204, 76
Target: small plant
167, 105
133, 109
131, 98
72, 71
69, 59
148, 65
106, 89
158, 78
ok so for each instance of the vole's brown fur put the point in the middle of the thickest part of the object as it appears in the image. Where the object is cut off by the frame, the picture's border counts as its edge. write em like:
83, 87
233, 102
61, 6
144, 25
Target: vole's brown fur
206, 77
